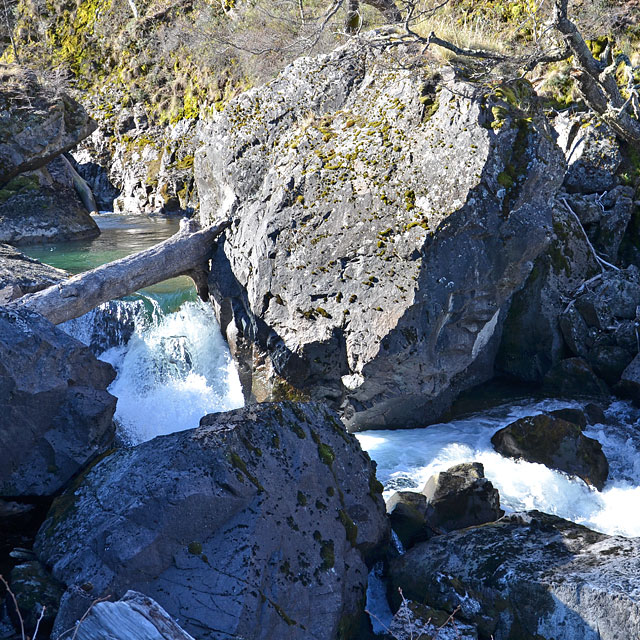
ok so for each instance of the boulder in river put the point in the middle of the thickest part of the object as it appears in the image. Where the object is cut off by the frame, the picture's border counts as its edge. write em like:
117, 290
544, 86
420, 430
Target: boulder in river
556, 443
55, 412
629, 385
383, 218
461, 497
527, 576
257, 524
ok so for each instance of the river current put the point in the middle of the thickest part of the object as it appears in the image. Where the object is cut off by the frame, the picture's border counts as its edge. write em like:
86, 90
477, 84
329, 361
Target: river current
175, 367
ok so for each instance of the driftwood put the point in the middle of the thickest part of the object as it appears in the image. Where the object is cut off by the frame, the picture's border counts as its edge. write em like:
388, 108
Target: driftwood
185, 253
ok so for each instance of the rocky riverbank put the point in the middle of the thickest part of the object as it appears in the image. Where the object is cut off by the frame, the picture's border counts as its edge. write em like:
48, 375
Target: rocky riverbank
398, 235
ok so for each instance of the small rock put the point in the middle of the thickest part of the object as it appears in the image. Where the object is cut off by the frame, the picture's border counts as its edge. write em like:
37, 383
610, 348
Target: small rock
133, 617
594, 414
408, 516
461, 497
556, 443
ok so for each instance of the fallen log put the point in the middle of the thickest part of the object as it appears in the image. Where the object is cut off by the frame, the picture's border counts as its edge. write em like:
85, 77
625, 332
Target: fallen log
185, 253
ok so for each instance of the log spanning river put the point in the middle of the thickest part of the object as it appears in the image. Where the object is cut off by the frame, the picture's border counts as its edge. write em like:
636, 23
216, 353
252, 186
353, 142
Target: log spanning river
174, 366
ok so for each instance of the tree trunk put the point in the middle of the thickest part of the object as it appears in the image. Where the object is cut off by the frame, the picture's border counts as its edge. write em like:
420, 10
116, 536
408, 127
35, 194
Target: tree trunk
185, 253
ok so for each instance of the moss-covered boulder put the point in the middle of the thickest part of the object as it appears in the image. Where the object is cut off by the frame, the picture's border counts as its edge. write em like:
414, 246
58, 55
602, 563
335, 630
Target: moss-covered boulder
257, 524
556, 443
383, 218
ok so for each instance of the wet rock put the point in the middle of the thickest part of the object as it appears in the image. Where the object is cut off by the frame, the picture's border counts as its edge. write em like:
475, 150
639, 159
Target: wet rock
133, 617
20, 274
556, 443
342, 273
574, 378
528, 575
461, 497
592, 153
408, 515
629, 385
575, 416
37, 123
56, 414
247, 526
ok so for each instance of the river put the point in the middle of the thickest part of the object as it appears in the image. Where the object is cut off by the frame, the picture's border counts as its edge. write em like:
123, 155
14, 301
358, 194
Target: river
175, 367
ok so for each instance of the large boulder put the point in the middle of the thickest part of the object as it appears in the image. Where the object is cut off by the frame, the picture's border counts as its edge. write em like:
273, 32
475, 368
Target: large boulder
37, 123
382, 221
629, 385
528, 576
55, 411
556, 443
256, 525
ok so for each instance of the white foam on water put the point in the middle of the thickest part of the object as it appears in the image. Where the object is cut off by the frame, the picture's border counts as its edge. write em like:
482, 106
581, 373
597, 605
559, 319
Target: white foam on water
175, 369
407, 458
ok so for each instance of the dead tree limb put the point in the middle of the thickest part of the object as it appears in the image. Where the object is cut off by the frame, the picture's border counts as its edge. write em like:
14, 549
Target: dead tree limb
596, 79
185, 253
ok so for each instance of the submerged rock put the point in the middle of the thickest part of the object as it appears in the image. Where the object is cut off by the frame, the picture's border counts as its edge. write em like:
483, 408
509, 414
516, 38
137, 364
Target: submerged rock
527, 576
55, 411
256, 524
382, 221
556, 443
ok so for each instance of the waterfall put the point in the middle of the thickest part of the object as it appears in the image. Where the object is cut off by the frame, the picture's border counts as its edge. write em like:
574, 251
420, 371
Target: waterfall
173, 365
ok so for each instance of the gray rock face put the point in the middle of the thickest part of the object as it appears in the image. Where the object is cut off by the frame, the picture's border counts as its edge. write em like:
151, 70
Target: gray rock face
20, 274
247, 526
532, 341
462, 497
529, 576
379, 231
36, 123
601, 323
556, 443
591, 150
44, 214
55, 412
133, 617
133, 167
416, 621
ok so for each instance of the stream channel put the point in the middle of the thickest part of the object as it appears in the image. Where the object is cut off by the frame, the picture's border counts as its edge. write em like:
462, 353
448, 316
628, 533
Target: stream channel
174, 367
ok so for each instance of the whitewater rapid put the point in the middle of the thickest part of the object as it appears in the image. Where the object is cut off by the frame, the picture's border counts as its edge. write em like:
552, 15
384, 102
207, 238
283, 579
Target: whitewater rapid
407, 458
173, 369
